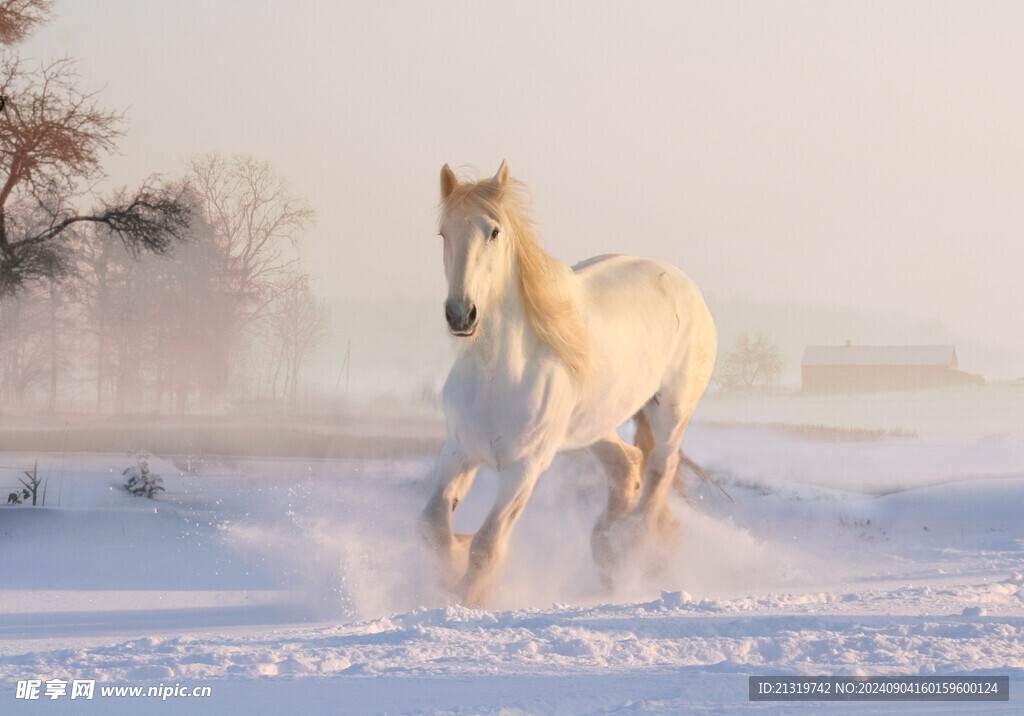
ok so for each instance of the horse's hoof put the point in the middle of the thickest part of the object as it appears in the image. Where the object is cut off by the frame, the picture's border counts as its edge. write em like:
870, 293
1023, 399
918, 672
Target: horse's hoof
637, 546
612, 546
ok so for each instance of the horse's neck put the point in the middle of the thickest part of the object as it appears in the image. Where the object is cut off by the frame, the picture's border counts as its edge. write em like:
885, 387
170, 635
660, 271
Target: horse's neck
506, 338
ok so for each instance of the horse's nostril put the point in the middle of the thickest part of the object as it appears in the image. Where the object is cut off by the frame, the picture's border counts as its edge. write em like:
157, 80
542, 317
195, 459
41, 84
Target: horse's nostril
461, 317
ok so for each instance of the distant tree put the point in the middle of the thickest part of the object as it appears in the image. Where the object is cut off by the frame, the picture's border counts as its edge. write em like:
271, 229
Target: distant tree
256, 220
100, 278
155, 325
38, 331
190, 317
20, 18
300, 324
23, 349
58, 326
750, 362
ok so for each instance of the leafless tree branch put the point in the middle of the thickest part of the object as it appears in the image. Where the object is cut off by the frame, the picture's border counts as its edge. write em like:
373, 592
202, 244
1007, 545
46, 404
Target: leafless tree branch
20, 18
150, 219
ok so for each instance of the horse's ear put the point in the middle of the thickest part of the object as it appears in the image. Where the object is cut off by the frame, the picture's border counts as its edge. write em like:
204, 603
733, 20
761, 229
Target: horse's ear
500, 179
448, 181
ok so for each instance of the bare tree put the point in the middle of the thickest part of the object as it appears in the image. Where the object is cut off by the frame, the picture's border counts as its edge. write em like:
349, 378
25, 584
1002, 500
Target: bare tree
751, 361
52, 138
155, 325
300, 326
190, 318
56, 329
23, 349
20, 18
99, 277
256, 221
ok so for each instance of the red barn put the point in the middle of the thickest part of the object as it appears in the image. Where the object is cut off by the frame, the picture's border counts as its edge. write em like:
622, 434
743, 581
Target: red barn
855, 369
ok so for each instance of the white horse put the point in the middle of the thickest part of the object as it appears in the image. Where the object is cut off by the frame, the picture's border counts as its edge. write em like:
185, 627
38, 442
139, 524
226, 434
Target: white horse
554, 358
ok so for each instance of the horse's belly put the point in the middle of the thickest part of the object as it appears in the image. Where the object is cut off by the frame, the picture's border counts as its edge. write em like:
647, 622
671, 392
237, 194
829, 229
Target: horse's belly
622, 384
644, 315
596, 419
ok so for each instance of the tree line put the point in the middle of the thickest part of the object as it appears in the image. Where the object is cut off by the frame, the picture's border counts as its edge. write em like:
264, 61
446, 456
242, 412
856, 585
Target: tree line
224, 313
176, 295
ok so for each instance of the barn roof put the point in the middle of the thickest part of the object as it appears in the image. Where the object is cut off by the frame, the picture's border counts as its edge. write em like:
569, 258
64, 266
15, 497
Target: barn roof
880, 355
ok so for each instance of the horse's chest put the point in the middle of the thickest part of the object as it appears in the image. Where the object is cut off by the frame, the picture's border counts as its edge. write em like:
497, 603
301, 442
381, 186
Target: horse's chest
499, 421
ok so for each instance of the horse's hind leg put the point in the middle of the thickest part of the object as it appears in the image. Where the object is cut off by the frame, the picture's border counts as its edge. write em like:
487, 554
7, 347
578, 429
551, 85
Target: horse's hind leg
623, 464
637, 528
668, 413
662, 465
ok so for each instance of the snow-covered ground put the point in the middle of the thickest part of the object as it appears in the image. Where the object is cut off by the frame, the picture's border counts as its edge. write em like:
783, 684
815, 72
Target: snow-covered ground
296, 585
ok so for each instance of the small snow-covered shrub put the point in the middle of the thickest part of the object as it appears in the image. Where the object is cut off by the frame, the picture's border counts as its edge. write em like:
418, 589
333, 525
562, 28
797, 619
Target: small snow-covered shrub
140, 480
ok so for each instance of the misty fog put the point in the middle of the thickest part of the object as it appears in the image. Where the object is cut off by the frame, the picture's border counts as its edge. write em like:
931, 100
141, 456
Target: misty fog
825, 173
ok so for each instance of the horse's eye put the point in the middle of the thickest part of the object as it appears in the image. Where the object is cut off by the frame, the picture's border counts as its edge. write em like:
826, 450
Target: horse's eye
494, 234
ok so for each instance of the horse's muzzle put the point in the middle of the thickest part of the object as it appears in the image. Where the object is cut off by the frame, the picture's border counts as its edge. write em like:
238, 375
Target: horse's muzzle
461, 318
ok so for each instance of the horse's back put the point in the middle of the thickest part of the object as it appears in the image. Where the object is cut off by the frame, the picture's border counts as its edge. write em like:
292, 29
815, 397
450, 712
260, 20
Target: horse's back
608, 269
594, 260
645, 290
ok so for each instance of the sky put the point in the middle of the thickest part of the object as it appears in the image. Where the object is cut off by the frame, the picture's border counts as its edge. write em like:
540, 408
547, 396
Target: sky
866, 154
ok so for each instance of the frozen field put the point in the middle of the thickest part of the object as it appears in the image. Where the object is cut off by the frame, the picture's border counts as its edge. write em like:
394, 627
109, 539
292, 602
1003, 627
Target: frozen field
297, 585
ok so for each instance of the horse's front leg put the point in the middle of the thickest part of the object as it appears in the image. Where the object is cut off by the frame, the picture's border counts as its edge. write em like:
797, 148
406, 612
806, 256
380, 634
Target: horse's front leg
454, 474
490, 543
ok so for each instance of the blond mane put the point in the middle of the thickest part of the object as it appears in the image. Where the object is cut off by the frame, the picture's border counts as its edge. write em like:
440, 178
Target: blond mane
544, 282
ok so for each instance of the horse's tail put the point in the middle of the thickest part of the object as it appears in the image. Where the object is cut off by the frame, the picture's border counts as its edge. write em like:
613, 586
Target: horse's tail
644, 439
708, 480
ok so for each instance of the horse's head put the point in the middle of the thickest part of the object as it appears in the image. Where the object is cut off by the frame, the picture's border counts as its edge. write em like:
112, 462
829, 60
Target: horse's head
477, 248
